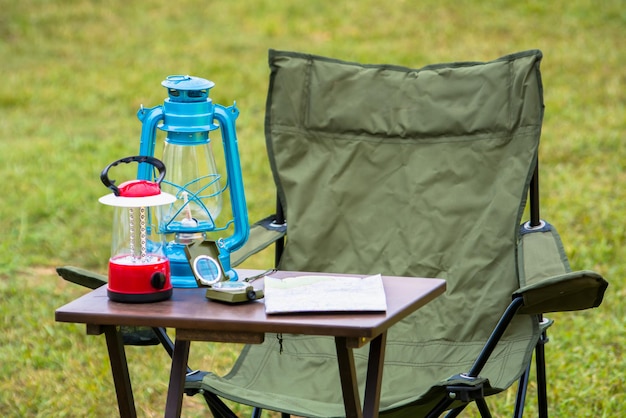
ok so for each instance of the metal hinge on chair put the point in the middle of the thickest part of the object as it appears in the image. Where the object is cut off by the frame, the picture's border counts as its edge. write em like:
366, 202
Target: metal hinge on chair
466, 388
462, 390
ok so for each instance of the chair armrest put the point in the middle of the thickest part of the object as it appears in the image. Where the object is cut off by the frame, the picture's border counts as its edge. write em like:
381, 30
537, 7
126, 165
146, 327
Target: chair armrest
572, 291
547, 283
262, 234
82, 277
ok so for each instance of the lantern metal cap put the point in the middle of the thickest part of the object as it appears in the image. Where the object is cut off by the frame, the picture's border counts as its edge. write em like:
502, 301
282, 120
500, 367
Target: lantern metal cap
187, 82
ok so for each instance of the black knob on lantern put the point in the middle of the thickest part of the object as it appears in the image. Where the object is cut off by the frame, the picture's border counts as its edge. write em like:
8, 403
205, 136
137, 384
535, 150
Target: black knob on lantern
158, 280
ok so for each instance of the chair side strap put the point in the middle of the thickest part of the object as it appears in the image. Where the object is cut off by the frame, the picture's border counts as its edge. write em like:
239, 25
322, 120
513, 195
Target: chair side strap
262, 234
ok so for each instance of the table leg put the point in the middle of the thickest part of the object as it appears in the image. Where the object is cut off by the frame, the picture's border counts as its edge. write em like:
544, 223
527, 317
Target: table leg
180, 356
119, 369
349, 383
373, 384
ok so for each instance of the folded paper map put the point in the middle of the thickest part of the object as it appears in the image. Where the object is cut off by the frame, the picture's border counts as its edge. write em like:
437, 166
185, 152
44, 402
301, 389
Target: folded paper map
319, 293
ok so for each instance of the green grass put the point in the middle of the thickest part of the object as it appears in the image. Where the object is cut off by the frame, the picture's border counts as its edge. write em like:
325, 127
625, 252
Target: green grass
75, 72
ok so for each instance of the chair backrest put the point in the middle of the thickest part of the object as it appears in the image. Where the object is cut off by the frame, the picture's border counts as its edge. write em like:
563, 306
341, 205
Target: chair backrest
386, 169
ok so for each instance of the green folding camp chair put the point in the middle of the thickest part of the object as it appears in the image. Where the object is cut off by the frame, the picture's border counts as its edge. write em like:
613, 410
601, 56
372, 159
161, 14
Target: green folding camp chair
420, 172
415, 172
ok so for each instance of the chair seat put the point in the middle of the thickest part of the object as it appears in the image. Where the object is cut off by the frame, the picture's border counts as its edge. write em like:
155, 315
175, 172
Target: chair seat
415, 374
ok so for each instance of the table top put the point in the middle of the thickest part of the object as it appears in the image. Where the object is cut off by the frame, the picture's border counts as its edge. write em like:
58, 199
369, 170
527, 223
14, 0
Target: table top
189, 309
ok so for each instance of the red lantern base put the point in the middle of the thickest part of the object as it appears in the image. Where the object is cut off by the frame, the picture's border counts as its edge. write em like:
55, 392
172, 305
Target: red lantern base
131, 282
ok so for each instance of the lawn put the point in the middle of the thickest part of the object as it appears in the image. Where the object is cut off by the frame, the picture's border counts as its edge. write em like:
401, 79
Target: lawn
75, 72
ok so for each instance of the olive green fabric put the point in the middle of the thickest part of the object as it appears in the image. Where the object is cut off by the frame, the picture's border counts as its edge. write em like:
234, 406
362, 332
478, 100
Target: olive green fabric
547, 282
418, 172
82, 277
262, 234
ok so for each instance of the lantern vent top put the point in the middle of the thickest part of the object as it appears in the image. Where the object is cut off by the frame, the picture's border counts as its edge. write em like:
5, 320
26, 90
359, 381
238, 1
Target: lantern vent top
185, 88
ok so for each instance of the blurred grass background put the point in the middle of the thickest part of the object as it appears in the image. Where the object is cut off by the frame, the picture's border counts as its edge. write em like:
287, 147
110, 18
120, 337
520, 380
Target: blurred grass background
75, 72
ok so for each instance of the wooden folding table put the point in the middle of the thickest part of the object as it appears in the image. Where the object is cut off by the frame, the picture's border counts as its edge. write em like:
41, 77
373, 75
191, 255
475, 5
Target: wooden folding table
196, 319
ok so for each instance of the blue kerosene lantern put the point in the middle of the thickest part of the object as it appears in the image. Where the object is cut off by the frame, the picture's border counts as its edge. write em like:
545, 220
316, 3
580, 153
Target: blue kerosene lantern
187, 116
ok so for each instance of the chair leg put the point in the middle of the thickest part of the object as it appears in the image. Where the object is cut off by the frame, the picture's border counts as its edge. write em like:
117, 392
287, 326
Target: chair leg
456, 411
256, 413
217, 407
542, 382
481, 403
522, 389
